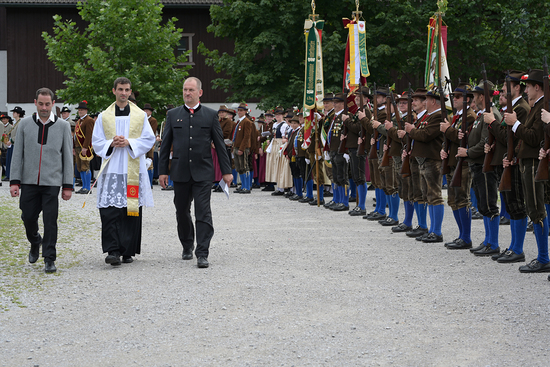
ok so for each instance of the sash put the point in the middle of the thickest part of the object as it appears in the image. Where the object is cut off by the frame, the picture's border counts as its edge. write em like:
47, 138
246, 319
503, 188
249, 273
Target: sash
136, 126
80, 138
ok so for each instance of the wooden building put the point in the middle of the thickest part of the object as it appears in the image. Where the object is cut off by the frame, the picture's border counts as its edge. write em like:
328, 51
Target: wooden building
24, 64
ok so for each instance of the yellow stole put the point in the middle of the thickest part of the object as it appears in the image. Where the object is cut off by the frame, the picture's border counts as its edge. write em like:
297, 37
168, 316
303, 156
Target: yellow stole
136, 125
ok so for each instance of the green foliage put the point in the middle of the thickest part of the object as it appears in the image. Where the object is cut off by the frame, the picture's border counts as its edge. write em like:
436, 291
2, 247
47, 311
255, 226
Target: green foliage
268, 59
122, 38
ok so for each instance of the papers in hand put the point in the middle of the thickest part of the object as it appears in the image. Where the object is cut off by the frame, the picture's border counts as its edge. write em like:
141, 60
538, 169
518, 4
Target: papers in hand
224, 187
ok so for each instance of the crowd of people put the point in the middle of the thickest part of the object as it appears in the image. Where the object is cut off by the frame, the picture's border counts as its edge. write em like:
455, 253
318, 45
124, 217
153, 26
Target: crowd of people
399, 143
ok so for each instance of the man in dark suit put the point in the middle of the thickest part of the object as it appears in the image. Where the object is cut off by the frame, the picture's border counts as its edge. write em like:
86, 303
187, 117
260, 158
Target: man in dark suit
191, 129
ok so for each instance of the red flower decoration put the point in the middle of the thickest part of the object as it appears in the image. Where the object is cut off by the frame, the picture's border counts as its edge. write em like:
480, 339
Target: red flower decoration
85, 101
524, 77
496, 93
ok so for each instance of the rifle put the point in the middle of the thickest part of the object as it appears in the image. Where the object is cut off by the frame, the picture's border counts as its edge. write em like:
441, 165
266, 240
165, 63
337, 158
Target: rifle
506, 179
542, 170
406, 166
445, 169
361, 149
373, 154
457, 176
491, 138
342, 146
386, 157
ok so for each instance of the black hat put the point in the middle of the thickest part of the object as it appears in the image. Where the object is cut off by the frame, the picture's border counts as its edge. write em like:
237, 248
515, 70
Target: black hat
329, 97
517, 76
147, 106
82, 106
4, 115
340, 97
65, 109
435, 93
279, 111
364, 90
420, 93
19, 110
480, 88
535, 76
463, 87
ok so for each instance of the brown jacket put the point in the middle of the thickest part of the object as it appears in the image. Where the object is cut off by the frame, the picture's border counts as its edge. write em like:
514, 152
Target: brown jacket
452, 134
86, 127
427, 137
531, 133
243, 136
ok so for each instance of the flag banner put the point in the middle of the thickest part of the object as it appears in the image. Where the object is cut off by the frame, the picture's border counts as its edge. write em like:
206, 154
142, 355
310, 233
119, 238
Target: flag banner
314, 86
437, 53
308, 124
356, 68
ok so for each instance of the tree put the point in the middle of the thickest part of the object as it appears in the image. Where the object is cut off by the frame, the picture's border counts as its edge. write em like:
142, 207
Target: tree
268, 59
122, 38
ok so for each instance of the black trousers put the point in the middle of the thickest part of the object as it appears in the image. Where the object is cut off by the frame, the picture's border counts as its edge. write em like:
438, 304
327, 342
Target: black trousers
515, 203
184, 194
357, 165
486, 190
339, 169
33, 200
304, 168
120, 232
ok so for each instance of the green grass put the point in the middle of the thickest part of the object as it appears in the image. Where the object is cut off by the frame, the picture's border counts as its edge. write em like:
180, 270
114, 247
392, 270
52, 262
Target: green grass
17, 275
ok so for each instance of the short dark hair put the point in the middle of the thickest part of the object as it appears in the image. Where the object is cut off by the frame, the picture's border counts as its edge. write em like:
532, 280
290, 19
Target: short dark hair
121, 80
521, 86
45, 92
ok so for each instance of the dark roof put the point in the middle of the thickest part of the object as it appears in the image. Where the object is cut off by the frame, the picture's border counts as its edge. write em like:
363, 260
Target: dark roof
73, 2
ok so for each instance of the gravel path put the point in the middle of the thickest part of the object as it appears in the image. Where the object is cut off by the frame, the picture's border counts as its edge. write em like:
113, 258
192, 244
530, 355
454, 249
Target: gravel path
289, 285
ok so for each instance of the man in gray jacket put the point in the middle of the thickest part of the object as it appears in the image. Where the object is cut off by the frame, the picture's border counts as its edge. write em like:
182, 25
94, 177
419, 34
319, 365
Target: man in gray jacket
42, 162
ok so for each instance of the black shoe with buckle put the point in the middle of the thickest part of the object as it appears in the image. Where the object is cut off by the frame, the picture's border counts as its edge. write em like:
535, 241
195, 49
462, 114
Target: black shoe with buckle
357, 211
460, 244
340, 207
452, 242
329, 204
377, 216
497, 256
487, 251
401, 227
511, 257
535, 267
480, 247
314, 202
432, 238
295, 197
388, 222
417, 232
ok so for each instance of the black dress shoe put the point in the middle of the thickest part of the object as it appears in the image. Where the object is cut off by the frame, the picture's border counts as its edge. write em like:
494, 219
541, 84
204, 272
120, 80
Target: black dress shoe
369, 215
202, 262
535, 267
305, 199
352, 199
288, 194
377, 216
295, 197
255, 186
327, 194
218, 188
495, 257
476, 214
357, 211
50, 267
244, 191
401, 227
127, 259
34, 253
232, 185
187, 255
452, 242
388, 222
421, 237
277, 193
237, 191
432, 238
113, 259
511, 257
481, 246
504, 221
330, 203
417, 232
460, 244
314, 202
268, 188
487, 251
340, 207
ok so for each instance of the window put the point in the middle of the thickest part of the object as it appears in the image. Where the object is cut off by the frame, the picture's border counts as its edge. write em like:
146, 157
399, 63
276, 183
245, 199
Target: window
186, 44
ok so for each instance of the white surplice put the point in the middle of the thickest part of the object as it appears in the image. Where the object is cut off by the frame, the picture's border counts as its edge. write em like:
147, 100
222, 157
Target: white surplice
111, 185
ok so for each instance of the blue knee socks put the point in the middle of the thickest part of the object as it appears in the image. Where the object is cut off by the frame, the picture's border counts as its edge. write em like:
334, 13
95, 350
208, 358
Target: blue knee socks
493, 231
352, 188
409, 211
394, 205
466, 223
541, 234
473, 198
518, 228
344, 195
309, 189
234, 171
421, 210
382, 204
503, 212
150, 173
438, 213
456, 214
335, 194
487, 230
361, 195
299, 187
